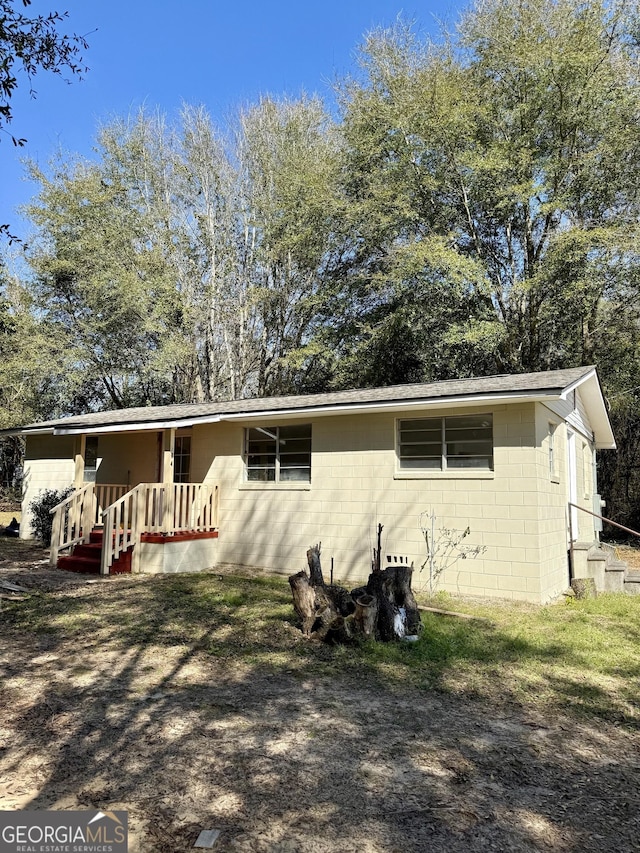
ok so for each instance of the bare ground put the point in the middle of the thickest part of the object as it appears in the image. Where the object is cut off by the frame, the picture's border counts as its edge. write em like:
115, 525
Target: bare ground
285, 758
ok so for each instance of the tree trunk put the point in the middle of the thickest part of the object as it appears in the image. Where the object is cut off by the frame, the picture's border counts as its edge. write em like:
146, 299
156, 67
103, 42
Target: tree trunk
304, 600
385, 609
315, 569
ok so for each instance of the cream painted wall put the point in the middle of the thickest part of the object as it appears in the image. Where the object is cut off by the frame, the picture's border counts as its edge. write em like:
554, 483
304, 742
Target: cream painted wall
48, 464
355, 485
554, 496
128, 458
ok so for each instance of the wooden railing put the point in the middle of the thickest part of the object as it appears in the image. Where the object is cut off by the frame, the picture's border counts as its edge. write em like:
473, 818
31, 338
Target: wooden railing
167, 508
74, 517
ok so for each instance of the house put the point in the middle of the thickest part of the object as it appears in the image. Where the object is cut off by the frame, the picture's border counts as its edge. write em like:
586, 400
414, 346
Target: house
254, 482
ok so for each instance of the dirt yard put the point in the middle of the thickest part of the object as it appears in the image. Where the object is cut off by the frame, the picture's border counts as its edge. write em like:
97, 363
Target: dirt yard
157, 696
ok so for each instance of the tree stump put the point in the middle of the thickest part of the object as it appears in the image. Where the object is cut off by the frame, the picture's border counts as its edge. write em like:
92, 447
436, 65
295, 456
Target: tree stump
384, 609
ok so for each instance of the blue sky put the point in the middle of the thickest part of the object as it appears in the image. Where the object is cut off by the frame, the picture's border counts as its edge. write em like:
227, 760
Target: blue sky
218, 53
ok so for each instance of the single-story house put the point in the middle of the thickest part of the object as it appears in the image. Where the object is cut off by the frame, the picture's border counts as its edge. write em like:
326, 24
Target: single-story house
254, 482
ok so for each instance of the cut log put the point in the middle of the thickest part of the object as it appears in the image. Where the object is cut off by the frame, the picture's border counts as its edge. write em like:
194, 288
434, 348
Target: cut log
405, 598
304, 600
366, 615
341, 599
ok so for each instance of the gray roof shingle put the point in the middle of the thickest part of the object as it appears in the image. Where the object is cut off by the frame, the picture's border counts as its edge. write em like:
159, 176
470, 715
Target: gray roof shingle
548, 382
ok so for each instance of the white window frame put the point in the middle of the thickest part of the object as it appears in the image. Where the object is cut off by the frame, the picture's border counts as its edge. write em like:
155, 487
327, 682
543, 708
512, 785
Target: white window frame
445, 469
274, 432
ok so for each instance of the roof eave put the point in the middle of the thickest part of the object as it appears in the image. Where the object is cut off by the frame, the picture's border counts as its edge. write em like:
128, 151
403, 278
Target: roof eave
593, 398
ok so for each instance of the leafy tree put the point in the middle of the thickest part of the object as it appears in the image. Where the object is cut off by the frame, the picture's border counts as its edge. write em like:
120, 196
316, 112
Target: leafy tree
102, 281
32, 44
493, 184
34, 381
28, 45
183, 265
289, 162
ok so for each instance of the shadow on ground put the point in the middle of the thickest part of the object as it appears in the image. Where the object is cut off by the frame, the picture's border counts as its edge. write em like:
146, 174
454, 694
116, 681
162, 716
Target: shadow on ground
195, 703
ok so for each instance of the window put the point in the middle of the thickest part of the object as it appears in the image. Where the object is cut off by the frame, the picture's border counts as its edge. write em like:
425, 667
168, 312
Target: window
182, 459
90, 458
278, 454
460, 442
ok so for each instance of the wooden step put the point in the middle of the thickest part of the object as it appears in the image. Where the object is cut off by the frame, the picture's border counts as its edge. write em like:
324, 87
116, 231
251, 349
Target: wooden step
82, 565
92, 551
87, 558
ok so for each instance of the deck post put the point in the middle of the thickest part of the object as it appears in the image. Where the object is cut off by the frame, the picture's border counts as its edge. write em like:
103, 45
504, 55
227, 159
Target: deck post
56, 530
80, 450
168, 447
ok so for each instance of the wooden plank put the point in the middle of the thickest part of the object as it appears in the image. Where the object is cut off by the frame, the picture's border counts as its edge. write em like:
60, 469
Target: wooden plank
452, 613
12, 587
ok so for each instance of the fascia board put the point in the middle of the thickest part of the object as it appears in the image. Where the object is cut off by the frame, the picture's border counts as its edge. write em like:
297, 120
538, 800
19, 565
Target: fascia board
134, 427
25, 432
590, 374
393, 406
591, 392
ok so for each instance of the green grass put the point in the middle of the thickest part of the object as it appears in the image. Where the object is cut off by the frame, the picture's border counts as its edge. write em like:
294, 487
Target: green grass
580, 657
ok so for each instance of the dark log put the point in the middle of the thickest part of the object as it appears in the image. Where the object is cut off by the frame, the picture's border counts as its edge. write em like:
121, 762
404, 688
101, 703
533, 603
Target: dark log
380, 587
304, 600
405, 598
392, 589
341, 598
315, 569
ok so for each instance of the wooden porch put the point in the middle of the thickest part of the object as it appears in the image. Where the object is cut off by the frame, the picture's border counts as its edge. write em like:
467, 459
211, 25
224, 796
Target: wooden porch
110, 521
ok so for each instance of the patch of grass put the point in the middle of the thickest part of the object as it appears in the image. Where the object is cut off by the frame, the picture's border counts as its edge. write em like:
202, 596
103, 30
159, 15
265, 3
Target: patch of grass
583, 656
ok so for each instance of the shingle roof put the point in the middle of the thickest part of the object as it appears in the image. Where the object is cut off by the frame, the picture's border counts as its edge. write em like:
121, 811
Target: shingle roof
527, 384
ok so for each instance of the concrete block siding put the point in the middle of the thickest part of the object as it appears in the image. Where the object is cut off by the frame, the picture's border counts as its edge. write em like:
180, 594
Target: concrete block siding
48, 464
515, 512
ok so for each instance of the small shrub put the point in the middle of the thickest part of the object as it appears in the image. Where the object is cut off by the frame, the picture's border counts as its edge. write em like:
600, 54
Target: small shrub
40, 508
